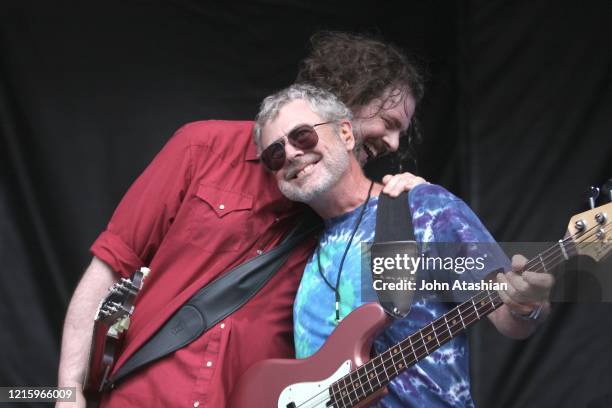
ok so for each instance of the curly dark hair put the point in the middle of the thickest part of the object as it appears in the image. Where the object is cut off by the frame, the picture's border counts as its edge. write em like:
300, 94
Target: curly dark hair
359, 69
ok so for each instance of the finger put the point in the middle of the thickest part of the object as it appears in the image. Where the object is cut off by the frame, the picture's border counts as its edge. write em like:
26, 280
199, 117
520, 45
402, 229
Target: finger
386, 179
519, 307
519, 290
405, 181
518, 262
541, 281
511, 290
516, 281
394, 186
530, 287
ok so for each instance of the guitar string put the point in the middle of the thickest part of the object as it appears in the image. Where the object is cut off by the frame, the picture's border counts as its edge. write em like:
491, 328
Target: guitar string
434, 328
436, 325
417, 350
325, 398
587, 234
555, 257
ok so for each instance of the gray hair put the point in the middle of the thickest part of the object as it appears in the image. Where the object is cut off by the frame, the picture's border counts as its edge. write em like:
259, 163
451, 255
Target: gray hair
322, 102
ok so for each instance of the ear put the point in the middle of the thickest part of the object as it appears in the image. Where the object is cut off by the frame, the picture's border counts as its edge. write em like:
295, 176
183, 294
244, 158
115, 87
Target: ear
346, 134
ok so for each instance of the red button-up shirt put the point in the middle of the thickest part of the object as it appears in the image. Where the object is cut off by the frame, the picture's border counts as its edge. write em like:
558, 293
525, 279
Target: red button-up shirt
203, 206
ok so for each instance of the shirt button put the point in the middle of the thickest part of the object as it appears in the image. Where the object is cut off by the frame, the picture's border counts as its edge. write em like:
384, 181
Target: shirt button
196, 404
276, 219
208, 363
221, 206
259, 252
222, 325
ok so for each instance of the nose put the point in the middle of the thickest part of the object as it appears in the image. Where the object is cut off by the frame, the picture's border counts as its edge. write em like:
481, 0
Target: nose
391, 141
292, 152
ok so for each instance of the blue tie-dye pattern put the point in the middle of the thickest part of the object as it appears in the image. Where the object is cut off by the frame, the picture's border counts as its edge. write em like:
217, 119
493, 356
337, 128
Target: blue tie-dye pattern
441, 379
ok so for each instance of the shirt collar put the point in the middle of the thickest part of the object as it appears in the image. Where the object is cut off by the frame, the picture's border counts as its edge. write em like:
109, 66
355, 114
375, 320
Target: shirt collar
251, 152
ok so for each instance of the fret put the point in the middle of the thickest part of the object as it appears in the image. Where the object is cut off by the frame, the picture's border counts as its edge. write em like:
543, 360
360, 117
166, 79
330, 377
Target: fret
416, 358
337, 396
377, 372
385, 370
486, 305
340, 402
460, 316
448, 327
353, 389
454, 321
490, 298
358, 381
424, 344
427, 331
542, 263
403, 364
334, 389
475, 308
433, 329
385, 363
398, 359
345, 393
370, 375
380, 370
470, 316
439, 331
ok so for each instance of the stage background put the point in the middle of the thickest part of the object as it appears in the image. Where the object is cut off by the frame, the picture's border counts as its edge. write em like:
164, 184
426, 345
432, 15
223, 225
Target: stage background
517, 121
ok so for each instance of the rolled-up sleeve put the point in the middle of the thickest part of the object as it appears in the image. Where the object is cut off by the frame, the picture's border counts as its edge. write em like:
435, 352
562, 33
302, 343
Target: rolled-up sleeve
146, 212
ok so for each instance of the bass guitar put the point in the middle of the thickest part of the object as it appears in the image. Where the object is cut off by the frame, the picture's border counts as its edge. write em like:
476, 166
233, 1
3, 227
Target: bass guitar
341, 374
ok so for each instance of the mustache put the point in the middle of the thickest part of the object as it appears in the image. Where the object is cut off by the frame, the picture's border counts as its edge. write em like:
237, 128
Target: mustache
296, 165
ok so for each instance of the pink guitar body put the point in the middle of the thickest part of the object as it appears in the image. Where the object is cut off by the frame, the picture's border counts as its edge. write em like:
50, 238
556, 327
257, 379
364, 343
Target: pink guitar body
283, 382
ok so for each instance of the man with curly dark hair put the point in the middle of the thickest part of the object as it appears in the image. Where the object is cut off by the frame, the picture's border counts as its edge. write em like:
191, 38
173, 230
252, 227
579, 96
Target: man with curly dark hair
204, 205
379, 83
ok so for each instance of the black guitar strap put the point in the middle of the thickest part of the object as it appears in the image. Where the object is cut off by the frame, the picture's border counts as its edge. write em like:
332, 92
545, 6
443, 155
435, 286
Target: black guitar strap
216, 301
394, 235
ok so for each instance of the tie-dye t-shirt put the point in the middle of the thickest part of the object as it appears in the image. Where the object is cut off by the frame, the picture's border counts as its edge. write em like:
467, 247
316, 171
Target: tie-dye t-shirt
442, 378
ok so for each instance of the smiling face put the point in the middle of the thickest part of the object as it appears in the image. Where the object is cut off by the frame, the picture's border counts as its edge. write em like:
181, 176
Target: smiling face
378, 128
308, 173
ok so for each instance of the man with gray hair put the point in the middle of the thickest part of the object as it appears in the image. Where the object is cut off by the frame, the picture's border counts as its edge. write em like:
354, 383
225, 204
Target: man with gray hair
331, 111
305, 136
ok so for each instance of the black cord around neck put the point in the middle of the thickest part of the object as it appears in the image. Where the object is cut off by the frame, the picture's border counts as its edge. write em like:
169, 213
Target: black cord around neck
336, 289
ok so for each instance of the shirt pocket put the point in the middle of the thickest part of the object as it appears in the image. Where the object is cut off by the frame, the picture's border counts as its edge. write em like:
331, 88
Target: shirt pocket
219, 219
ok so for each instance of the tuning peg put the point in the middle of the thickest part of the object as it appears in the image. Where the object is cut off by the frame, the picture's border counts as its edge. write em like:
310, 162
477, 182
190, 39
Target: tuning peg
607, 189
592, 195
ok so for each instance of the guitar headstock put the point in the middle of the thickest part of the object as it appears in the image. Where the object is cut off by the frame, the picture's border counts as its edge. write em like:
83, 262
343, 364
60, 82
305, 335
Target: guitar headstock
118, 305
591, 232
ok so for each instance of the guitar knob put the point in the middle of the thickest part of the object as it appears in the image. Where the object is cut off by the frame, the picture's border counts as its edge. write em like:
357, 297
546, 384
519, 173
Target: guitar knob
607, 189
592, 195
580, 225
601, 218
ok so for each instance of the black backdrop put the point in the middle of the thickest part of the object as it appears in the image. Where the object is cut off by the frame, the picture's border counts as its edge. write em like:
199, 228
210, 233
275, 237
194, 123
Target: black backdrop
517, 121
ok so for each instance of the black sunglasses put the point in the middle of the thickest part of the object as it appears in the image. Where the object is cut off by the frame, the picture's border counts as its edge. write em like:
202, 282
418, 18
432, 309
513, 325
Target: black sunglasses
303, 137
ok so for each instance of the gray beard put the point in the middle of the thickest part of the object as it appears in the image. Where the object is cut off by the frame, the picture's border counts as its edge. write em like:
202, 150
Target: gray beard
334, 166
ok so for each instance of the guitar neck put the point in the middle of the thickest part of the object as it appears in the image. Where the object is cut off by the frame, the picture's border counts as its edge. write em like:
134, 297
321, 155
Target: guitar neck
380, 370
